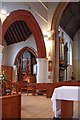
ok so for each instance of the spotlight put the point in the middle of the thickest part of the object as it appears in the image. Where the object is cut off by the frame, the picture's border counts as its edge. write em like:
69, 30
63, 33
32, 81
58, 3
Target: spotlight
3, 12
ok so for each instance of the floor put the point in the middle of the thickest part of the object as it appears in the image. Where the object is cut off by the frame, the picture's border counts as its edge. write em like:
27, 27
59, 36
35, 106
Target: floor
36, 107
76, 110
41, 107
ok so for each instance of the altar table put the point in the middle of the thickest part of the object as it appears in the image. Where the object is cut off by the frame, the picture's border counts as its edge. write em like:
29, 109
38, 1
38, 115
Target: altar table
62, 100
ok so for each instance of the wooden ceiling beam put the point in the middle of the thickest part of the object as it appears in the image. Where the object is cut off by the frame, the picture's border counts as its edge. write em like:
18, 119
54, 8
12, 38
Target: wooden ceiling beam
15, 33
22, 29
19, 32
26, 28
7, 38
11, 36
70, 20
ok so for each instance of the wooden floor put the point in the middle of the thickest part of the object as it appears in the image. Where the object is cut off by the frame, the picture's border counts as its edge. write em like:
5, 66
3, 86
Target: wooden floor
76, 110
36, 107
41, 107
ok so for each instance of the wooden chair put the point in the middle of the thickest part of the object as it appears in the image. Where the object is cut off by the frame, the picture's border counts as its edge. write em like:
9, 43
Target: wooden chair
31, 88
21, 85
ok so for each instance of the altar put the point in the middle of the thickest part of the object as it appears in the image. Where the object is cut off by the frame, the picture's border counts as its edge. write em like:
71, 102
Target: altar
62, 100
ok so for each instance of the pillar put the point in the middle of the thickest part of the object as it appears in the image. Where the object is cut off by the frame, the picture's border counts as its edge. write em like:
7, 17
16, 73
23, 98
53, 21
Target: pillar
56, 57
42, 70
53, 56
1, 54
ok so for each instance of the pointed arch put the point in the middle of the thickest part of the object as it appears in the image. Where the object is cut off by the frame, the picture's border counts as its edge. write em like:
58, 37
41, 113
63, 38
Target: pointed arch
57, 15
33, 26
54, 26
31, 50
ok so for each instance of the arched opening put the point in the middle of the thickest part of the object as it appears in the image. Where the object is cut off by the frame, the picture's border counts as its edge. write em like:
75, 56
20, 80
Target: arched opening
54, 26
23, 50
23, 19
30, 21
26, 64
64, 17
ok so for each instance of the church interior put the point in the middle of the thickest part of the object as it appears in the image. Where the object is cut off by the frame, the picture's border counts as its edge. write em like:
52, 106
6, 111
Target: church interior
39, 58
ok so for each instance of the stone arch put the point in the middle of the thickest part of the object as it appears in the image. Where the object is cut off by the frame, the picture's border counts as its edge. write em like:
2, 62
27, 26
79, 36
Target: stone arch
57, 15
23, 50
33, 26
54, 26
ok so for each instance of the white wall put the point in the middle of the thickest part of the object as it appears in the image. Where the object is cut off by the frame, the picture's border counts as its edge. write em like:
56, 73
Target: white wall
42, 15
52, 6
36, 9
10, 51
76, 55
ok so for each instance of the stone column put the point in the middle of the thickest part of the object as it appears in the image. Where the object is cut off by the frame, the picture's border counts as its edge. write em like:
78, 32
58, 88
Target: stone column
53, 56
1, 54
56, 57
42, 70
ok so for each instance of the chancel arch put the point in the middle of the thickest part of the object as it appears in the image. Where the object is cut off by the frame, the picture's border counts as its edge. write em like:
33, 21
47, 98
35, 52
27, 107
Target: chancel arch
26, 18
30, 21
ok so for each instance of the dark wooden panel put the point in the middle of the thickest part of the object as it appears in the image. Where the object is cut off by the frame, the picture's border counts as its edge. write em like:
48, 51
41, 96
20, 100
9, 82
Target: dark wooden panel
11, 106
66, 109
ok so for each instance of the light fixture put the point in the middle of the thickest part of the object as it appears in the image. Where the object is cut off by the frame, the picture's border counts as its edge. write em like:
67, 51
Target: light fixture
3, 12
48, 35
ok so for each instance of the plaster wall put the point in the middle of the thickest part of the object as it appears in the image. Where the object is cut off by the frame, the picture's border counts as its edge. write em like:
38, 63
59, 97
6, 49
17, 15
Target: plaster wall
10, 51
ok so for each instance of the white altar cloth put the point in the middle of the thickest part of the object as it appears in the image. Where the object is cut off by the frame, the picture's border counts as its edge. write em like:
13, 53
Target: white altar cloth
71, 93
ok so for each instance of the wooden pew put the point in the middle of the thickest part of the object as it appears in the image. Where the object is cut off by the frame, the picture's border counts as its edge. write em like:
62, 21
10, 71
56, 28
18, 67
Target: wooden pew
49, 87
11, 106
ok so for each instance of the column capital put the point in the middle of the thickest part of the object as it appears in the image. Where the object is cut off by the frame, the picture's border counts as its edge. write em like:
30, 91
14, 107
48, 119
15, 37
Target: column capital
42, 59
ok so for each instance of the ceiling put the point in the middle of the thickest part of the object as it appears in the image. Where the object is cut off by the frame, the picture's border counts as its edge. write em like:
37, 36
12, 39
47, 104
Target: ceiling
17, 32
70, 20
